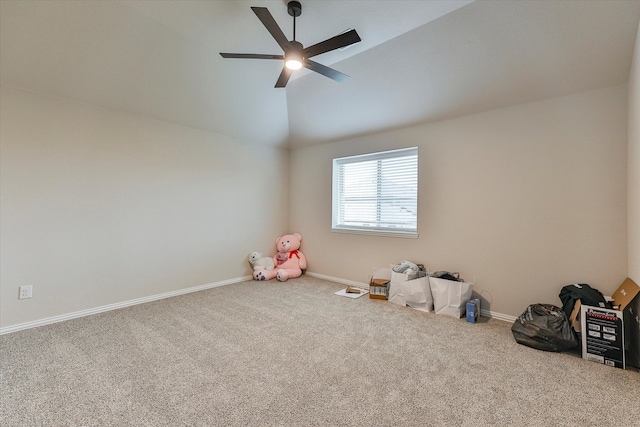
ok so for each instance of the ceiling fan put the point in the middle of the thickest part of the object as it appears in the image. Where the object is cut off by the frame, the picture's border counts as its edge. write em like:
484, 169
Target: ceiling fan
295, 55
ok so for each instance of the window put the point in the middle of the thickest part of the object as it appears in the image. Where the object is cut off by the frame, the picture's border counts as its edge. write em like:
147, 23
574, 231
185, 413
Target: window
377, 193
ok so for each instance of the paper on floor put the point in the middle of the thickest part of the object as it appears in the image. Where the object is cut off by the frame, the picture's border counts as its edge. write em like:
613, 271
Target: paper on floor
343, 293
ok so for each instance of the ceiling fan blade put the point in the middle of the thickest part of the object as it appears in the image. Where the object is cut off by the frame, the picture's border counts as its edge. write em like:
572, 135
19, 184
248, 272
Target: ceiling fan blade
326, 71
250, 56
271, 25
337, 42
284, 77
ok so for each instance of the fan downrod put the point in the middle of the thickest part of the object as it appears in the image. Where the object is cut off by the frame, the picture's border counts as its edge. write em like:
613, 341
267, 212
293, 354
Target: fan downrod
294, 8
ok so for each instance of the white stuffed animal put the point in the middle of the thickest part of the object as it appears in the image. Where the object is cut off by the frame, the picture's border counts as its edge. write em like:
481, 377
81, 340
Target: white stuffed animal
259, 262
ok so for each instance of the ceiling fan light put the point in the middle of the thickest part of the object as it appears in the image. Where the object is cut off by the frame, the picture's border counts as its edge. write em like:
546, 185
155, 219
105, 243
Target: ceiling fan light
293, 64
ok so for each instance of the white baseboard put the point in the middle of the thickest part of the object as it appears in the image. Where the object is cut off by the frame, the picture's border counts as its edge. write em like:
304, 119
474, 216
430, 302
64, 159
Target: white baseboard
499, 316
339, 280
485, 313
123, 304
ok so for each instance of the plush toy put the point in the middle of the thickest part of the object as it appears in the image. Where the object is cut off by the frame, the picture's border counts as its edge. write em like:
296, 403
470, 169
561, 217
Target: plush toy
289, 261
259, 262
407, 267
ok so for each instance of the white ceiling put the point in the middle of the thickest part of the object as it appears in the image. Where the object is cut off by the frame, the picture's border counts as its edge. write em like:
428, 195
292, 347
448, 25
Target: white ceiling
418, 60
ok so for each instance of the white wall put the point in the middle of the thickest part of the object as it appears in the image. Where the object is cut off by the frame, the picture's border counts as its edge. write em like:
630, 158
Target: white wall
100, 207
527, 199
634, 165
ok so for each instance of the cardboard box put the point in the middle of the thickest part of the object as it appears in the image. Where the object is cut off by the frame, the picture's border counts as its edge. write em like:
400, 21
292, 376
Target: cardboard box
602, 336
473, 310
627, 299
625, 294
574, 319
379, 288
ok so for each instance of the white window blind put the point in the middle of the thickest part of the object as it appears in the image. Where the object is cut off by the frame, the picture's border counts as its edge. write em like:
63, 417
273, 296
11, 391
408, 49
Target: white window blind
376, 192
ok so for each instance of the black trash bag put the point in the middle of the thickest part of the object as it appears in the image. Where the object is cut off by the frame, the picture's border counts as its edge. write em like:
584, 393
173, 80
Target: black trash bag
544, 327
583, 292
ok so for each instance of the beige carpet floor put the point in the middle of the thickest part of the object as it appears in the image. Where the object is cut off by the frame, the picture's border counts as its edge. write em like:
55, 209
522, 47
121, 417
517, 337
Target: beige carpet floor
294, 354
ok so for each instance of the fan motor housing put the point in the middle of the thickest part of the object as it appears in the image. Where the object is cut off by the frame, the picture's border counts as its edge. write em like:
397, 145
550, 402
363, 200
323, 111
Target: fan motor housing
294, 8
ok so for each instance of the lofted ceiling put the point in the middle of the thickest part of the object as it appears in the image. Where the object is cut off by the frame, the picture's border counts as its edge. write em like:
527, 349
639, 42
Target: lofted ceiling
418, 61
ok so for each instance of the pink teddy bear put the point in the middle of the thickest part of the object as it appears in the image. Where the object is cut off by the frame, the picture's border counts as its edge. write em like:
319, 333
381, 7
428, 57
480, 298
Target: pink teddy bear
289, 261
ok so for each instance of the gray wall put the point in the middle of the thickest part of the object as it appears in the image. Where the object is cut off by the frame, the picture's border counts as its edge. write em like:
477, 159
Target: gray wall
525, 199
634, 166
100, 207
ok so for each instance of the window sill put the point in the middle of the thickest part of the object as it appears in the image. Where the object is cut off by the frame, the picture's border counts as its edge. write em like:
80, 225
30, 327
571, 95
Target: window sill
401, 234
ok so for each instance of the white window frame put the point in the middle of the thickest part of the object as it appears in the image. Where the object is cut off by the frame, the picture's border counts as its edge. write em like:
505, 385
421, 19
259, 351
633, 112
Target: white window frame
377, 226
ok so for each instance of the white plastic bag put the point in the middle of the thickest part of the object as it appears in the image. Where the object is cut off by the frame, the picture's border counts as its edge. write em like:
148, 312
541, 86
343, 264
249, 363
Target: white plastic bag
450, 296
414, 293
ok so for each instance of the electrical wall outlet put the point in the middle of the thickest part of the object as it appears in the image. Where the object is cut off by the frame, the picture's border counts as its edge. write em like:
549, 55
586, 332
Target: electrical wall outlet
25, 292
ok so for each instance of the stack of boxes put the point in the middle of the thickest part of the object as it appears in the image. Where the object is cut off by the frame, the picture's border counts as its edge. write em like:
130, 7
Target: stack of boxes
612, 337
